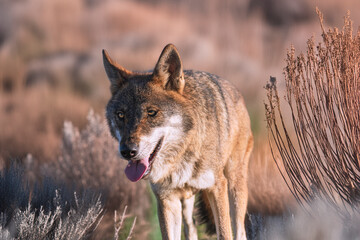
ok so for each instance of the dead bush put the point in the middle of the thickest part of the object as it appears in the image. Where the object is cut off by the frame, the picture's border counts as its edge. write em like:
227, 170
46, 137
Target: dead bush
48, 211
322, 156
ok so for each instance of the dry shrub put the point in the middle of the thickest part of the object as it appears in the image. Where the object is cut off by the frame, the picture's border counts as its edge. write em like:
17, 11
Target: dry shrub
119, 223
51, 210
322, 158
48, 211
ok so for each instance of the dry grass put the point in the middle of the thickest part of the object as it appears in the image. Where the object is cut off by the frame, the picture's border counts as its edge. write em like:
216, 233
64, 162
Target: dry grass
32, 121
51, 210
48, 211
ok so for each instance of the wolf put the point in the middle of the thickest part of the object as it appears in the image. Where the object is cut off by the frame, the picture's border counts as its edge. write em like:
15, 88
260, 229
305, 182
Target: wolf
187, 132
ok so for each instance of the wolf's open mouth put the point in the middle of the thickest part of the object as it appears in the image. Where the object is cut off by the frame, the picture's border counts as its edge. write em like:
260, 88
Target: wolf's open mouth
136, 170
152, 157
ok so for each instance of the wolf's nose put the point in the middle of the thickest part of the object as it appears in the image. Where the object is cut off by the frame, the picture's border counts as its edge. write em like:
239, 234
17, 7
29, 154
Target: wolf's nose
128, 151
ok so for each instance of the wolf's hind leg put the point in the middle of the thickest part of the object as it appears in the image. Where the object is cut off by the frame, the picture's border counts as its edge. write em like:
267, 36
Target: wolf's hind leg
187, 212
238, 191
219, 202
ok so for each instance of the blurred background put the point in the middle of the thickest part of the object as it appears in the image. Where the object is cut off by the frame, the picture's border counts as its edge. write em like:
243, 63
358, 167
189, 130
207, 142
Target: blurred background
51, 65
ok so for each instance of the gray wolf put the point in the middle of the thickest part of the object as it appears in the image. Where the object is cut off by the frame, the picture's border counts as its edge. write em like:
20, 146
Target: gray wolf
185, 131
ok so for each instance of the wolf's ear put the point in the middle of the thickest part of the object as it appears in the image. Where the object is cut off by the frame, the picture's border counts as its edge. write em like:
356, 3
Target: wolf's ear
117, 75
168, 70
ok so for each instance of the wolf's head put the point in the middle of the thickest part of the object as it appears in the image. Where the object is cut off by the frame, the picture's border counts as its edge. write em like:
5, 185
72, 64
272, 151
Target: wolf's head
148, 115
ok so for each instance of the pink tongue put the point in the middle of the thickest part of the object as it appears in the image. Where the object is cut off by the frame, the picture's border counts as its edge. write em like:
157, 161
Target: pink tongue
135, 170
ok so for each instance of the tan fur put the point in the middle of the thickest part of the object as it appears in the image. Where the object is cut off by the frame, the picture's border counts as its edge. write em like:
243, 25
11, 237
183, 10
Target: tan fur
207, 143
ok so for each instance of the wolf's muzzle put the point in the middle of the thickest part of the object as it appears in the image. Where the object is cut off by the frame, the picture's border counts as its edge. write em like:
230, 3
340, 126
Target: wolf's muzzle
129, 151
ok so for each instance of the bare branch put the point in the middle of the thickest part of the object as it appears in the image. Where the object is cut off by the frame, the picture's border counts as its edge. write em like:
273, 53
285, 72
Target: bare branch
321, 154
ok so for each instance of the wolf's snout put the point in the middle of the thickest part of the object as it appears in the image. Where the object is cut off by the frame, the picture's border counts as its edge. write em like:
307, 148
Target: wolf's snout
129, 151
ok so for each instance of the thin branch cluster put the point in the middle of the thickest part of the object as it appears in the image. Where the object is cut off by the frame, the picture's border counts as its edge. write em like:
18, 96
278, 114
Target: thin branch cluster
48, 211
321, 156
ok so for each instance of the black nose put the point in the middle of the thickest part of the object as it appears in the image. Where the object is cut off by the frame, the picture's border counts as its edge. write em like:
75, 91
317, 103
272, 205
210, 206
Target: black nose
128, 151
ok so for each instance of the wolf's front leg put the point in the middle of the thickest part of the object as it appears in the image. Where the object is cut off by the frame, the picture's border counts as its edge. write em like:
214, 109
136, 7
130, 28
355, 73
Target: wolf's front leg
187, 211
169, 213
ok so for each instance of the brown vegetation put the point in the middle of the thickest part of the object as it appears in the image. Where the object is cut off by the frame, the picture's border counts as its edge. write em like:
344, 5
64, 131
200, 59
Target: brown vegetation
47, 211
322, 158
32, 121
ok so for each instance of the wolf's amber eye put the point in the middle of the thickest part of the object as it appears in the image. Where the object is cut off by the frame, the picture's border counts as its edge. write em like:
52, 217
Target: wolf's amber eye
121, 115
152, 113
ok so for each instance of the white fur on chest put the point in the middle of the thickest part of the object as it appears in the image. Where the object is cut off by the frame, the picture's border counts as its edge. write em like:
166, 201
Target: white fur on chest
182, 171
204, 180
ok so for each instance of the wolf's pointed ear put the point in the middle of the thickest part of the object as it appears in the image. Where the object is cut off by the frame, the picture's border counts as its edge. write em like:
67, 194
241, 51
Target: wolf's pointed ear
168, 70
117, 75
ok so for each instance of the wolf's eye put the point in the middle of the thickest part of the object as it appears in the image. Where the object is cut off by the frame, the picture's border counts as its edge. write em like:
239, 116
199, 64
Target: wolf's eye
121, 115
152, 113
